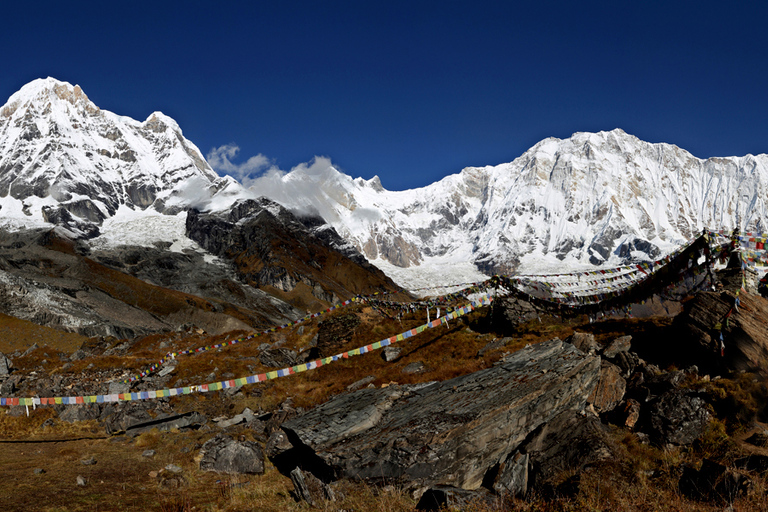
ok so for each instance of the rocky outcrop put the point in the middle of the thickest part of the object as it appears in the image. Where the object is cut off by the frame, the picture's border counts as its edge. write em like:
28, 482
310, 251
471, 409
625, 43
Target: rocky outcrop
442, 433
51, 280
744, 343
271, 247
333, 333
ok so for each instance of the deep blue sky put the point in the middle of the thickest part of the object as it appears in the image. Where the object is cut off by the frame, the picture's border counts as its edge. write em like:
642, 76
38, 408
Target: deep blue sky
411, 91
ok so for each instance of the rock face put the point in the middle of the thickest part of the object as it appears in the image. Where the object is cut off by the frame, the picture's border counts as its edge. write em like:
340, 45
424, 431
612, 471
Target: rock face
745, 338
442, 433
567, 442
272, 247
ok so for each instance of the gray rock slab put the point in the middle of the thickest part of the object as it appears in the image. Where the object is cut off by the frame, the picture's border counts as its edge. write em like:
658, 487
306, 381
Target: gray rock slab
223, 454
450, 432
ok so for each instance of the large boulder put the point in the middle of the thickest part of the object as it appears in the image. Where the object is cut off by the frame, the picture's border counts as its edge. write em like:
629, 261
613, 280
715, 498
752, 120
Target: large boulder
442, 433
676, 417
744, 344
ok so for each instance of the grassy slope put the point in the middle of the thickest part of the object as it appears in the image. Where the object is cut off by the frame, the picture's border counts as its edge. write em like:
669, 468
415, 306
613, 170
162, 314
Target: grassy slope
123, 479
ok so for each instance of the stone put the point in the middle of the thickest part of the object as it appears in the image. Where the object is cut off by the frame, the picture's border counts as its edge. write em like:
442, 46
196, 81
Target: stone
278, 357
415, 367
173, 468
38, 471
117, 387
82, 412
88, 462
569, 441
310, 488
628, 413
361, 383
81, 481
509, 312
391, 353
441, 433
713, 482
627, 362
148, 453
244, 417
222, 454
583, 341
676, 418
610, 388
5, 365
454, 498
661, 383
512, 477
622, 344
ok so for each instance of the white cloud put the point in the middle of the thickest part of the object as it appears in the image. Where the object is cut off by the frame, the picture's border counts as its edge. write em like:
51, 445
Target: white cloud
220, 159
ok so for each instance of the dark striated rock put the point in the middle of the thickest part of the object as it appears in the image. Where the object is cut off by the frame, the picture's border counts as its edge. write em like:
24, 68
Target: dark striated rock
676, 418
223, 454
627, 362
610, 388
278, 357
622, 344
361, 383
73, 413
310, 488
333, 333
570, 441
447, 433
744, 343
509, 312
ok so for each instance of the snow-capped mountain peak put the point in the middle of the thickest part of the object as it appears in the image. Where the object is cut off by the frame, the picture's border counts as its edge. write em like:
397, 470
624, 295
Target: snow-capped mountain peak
65, 161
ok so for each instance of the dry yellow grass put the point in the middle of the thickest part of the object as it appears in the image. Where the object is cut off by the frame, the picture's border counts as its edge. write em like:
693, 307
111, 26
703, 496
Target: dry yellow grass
124, 480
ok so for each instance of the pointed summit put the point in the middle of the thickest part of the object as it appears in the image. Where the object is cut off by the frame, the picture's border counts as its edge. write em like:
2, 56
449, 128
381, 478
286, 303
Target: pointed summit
43, 91
65, 161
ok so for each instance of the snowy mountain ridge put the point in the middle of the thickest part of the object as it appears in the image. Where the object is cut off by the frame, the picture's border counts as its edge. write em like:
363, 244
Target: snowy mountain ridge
602, 199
